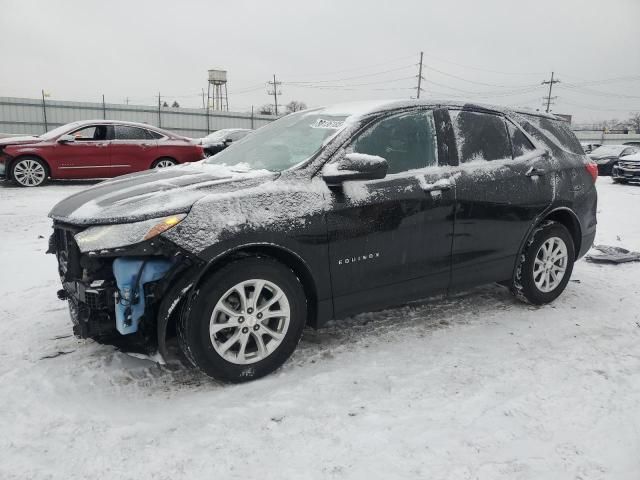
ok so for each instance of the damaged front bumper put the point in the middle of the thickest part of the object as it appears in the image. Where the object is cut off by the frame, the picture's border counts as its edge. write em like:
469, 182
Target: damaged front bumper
626, 171
122, 296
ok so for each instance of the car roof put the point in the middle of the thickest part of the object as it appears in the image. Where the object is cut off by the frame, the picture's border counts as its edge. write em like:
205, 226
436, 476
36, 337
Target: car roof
356, 110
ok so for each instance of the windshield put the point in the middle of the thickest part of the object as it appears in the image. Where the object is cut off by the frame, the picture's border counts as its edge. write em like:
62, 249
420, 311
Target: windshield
608, 150
283, 143
58, 131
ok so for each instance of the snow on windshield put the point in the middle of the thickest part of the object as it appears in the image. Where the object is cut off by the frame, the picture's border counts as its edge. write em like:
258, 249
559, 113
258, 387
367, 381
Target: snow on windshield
283, 143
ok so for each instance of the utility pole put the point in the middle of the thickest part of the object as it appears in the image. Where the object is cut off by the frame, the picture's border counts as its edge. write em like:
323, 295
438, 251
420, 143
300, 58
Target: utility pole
104, 109
420, 78
548, 98
159, 115
275, 92
203, 99
44, 112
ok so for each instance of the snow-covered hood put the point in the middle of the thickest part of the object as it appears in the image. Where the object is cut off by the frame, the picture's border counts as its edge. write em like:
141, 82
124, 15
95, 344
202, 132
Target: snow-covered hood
154, 193
18, 140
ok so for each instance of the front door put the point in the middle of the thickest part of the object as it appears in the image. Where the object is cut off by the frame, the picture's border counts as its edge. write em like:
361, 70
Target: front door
87, 157
503, 183
132, 150
390, 239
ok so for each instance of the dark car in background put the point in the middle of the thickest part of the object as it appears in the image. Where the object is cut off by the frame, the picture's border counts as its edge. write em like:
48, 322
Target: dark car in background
608, 156
93, 149
221, 139
323, 214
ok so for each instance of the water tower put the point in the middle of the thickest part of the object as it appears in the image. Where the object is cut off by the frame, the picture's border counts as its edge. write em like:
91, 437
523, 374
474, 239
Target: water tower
217, 89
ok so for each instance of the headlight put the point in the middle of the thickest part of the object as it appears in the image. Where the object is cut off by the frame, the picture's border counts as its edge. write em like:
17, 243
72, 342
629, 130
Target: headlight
121, 235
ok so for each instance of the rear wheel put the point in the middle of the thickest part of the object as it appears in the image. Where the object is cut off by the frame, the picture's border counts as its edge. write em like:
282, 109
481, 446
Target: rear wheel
546, 264
29, 172
246, 320
164, 163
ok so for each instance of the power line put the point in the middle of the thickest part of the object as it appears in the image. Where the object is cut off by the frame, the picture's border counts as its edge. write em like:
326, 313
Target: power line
483, 69
473, 81
353, 78
363, 67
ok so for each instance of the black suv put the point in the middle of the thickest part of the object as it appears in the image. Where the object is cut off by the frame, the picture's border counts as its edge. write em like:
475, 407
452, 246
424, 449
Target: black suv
323, 214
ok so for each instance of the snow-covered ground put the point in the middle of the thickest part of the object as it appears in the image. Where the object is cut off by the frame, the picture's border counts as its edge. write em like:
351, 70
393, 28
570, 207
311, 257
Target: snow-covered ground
478, 386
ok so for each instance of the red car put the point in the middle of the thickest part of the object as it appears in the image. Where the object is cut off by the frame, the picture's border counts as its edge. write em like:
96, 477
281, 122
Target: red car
93, 149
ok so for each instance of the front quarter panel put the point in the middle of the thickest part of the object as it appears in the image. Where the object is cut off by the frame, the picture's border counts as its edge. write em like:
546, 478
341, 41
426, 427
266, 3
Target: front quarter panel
289, 213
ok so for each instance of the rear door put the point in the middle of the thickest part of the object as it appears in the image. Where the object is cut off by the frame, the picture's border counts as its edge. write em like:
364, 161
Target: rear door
133, 149
86, 157
503, 182
390, 239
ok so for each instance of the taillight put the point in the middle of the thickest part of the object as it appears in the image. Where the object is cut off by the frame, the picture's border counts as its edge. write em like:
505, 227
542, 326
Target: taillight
592, 168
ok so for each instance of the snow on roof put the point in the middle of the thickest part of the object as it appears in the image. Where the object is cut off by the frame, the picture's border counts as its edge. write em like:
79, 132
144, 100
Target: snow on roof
357, 110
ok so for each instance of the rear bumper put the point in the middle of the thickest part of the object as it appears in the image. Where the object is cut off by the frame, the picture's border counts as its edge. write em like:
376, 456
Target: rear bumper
587, 243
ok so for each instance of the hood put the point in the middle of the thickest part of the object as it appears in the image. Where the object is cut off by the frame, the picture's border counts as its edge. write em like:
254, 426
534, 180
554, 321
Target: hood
18, 140
602, 156
153, 193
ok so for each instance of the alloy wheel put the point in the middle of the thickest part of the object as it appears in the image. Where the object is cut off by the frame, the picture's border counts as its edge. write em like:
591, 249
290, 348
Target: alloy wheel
250, 321
550, 264
29, 173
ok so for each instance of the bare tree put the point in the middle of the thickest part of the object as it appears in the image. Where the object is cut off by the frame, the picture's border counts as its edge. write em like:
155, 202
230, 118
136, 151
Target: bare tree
295, 106
175, 104
266, 110
165, 104
634, 120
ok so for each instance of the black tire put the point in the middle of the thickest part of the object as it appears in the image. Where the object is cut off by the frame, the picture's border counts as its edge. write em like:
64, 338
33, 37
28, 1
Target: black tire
523, 284
193, 326
33, 164
165, 161
618, 180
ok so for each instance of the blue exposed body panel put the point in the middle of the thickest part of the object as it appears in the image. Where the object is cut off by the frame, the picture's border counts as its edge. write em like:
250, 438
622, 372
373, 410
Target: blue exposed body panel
131, 274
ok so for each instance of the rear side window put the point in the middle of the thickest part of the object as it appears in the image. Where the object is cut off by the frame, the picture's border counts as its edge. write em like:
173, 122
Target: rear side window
480, 136
407, 141
554, 133
520, 144
125, 132
154, 135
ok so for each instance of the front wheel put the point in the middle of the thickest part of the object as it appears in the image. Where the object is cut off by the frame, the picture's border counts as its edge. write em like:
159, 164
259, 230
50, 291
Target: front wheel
29, 172
545, 265
245, 321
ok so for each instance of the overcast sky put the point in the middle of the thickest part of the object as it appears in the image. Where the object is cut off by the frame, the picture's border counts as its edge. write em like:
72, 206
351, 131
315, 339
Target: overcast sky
495, 51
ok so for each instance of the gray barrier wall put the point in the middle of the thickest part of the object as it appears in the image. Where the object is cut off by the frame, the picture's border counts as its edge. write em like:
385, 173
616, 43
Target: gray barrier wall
27, 116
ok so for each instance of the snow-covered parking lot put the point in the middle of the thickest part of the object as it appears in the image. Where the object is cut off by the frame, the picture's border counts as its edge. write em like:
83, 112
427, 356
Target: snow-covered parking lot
478, 386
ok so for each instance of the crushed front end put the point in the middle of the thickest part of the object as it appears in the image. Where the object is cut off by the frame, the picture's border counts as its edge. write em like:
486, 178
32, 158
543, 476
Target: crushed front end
116, 293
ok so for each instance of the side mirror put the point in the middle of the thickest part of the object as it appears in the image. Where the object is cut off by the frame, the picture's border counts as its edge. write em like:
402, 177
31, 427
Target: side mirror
66, 139
227, 141
355, 166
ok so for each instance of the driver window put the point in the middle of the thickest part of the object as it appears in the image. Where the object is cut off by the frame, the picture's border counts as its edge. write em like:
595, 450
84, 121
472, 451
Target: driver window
91, 134
407, 141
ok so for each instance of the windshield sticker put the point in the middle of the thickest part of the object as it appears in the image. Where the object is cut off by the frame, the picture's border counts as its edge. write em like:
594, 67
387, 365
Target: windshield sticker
322, 123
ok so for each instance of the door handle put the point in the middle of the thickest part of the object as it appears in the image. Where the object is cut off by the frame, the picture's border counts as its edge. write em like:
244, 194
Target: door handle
535, 172
441, 185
